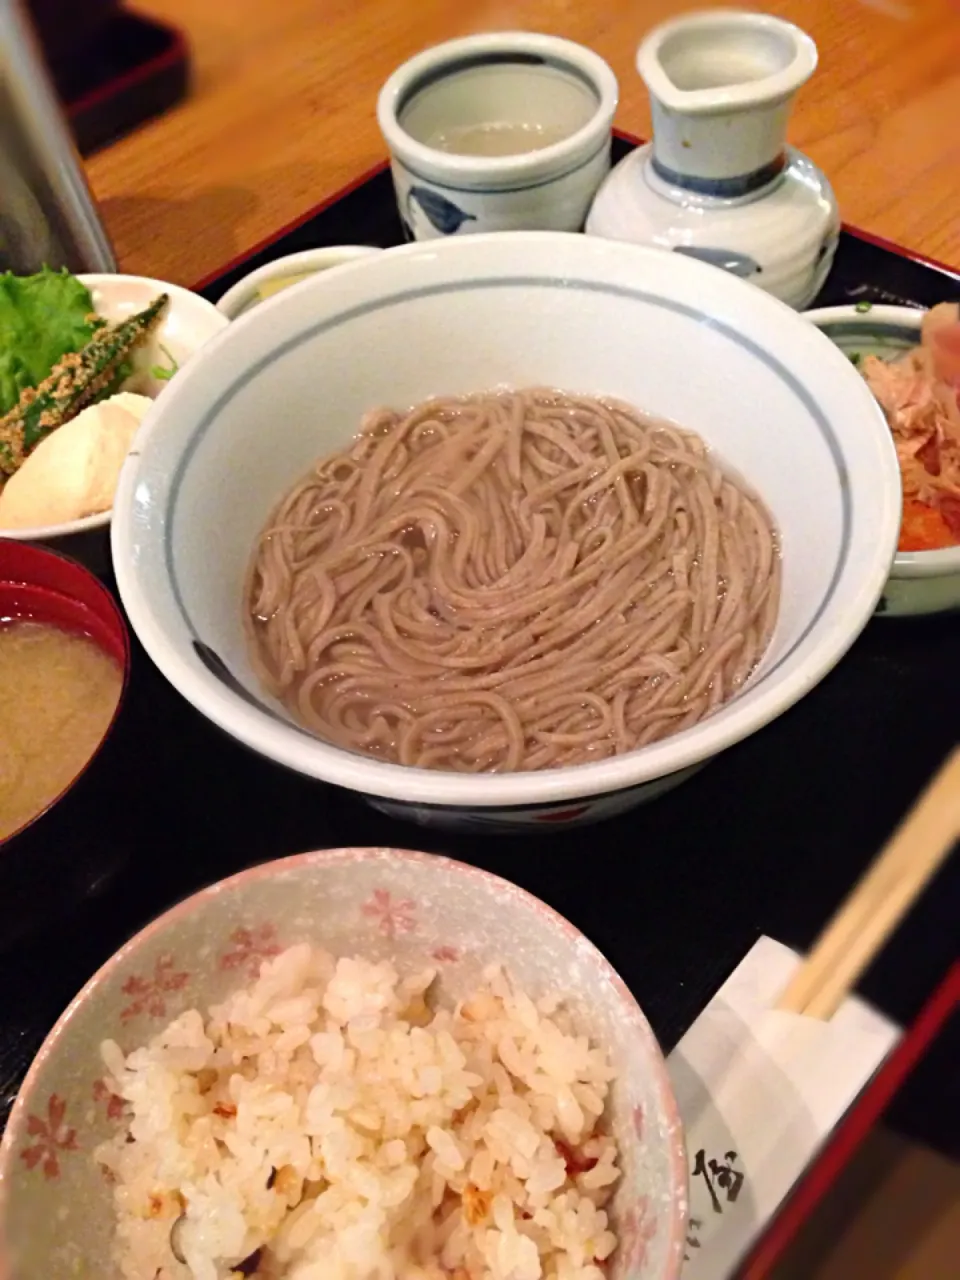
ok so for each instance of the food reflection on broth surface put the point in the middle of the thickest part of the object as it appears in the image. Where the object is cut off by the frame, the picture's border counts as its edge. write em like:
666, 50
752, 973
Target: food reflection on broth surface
511, 581
58, 695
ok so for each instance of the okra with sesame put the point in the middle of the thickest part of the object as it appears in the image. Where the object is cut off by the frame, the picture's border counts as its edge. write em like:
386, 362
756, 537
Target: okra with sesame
78, 379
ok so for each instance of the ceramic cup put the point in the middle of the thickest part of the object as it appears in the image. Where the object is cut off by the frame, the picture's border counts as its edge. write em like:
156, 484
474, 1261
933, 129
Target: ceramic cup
499, 132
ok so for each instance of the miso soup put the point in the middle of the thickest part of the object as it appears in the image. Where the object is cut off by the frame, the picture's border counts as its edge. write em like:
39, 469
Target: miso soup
58, 695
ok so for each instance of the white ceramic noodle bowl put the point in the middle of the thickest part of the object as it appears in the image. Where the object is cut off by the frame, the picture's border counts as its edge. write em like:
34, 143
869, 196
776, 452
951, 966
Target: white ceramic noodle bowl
289, 382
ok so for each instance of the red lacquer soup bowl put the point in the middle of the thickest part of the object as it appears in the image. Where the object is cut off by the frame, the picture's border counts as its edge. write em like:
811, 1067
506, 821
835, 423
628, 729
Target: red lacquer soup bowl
41, 861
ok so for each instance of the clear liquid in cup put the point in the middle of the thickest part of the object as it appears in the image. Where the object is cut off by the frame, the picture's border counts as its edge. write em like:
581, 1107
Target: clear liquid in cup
496, 138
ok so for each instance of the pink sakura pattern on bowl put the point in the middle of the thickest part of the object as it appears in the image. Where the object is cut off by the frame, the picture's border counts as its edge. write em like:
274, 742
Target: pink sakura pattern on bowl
51, 1136
638, 1227
55, 1218
392, 917
445, 954
636, 1115
115, 1104
150, 994
250, 947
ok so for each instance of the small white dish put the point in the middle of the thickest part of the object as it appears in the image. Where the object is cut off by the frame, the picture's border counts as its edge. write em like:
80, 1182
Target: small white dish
545, 104
290, 381
920, 581
284, 273
187, 323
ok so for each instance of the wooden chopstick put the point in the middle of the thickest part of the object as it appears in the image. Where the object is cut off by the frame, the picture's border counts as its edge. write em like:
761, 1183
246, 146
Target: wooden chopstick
859, 930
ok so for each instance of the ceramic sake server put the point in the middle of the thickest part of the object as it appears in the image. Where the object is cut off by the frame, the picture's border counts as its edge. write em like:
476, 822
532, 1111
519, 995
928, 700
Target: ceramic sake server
718, 182
56, 1213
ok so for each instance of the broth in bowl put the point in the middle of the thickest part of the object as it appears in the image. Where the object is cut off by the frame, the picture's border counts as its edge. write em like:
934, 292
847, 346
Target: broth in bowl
514, 580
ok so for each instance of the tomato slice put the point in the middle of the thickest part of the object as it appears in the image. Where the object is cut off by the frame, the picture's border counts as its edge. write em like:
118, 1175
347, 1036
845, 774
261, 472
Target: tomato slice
923, 528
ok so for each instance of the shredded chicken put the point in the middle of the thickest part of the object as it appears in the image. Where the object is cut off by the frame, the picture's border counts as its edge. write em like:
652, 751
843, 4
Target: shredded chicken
920, 395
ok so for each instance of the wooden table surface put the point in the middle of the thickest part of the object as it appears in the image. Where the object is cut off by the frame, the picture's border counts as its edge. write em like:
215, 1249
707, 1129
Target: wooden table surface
282, 112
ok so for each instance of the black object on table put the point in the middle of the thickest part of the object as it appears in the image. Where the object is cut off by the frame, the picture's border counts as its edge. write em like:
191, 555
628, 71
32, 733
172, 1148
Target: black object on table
767, 839
113, 69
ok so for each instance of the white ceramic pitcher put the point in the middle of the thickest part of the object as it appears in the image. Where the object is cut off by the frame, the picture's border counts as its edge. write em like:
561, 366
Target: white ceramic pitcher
718, 181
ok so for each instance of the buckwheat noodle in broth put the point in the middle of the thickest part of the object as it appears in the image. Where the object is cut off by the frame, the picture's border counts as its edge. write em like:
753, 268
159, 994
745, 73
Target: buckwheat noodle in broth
511, 580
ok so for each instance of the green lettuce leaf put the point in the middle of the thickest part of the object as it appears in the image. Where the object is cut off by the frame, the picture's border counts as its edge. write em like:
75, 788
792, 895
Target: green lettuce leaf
42, 317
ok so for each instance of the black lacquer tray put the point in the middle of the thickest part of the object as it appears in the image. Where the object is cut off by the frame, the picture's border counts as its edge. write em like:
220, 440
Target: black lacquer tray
767, 839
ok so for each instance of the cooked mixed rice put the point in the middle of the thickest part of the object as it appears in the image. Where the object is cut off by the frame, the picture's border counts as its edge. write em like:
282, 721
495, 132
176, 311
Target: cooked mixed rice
327, 1124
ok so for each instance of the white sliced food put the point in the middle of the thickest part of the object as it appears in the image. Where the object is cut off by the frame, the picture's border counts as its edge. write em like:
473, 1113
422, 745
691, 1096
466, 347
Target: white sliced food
74, 471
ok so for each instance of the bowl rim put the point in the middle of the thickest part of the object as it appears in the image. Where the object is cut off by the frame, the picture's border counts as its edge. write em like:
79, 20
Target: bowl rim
124, 631
676, 1145
775, 85
235, 301
283, 741
94, 280
496, 169
906, 564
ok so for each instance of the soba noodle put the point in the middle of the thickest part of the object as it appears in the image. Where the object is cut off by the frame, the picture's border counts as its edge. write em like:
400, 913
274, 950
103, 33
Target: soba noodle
512, 580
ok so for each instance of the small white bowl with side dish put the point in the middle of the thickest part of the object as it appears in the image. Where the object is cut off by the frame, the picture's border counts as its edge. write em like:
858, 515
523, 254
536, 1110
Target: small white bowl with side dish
285, 272
291, 380
187, 323
501, 132
920, 582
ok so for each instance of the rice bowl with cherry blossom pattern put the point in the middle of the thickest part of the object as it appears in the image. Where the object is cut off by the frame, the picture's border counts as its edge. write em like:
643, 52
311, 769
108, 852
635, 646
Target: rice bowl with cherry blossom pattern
458, 947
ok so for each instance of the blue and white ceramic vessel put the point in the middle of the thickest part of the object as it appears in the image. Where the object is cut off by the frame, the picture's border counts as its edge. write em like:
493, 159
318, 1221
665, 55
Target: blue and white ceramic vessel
291, 379
501, 132
718, 182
